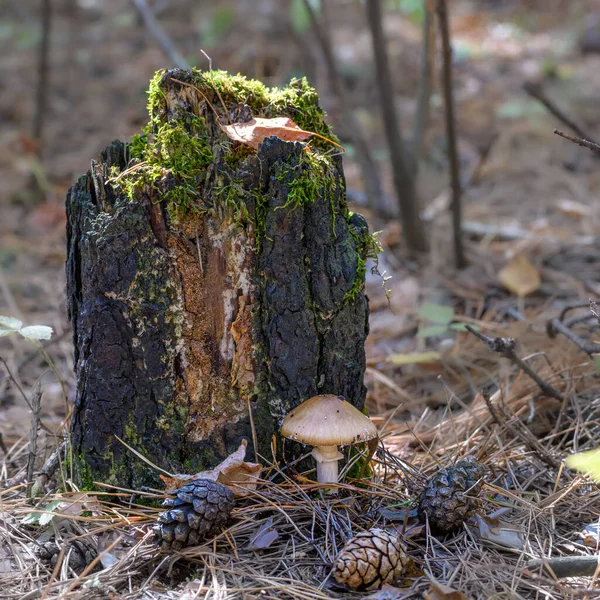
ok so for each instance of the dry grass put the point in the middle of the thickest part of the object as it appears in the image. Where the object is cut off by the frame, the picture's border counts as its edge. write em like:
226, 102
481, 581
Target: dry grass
548, 506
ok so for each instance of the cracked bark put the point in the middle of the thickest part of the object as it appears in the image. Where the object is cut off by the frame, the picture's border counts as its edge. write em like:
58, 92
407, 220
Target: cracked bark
178, 327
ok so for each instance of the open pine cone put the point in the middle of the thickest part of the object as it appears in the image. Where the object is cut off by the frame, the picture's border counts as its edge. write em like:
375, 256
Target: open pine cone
371, 559
195, 512
79, 553
450, 496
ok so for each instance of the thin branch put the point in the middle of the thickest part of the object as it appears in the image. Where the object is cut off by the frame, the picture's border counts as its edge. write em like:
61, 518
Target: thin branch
567, 566
352, 125
519, 430
159, 34
41, 97
36, 408
555, 326
506, 347
456, 207
578, 140
536, 91
47, 471
424, 92
404, 176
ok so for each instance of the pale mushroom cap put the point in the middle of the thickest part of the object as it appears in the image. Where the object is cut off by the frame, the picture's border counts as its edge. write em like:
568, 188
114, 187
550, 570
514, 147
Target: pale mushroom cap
327, 420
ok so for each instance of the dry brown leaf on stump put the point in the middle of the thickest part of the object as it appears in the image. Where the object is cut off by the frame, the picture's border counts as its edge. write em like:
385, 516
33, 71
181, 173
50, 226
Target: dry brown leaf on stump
253, 132
234, 472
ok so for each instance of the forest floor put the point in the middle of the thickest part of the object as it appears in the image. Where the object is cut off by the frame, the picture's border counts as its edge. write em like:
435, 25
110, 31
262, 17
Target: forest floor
532, 222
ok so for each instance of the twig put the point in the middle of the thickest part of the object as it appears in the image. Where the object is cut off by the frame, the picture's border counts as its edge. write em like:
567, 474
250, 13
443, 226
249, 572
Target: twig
459, 253
41, 97
555, 326
519, 430
567, 566
536, 91
159, 34
36, 407
506, 347
578, 140
46, 472
424, 92
404, 177
352, 125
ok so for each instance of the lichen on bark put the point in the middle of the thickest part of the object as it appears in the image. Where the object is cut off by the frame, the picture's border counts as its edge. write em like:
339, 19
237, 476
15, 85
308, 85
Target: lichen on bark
206, 279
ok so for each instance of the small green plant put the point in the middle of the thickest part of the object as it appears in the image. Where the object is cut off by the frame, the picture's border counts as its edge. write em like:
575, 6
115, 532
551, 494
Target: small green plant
586, 462
35, 334
43, 517
437, 320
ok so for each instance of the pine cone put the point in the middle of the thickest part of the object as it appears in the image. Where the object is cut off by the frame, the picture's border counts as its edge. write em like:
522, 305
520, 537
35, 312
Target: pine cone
195, 512
79, 554
450, 496
371, 559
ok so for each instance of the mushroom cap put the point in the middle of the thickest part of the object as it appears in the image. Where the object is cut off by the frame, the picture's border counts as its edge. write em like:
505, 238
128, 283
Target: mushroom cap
327, 420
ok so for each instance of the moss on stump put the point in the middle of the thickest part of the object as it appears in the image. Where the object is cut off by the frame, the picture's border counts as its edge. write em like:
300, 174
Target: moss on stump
206, 279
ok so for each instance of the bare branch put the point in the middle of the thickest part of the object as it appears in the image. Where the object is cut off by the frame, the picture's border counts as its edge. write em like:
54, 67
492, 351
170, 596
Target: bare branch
535, 91
456, 207
404, 176
425, 71
579, 141
159, 34
506, 347
354, 128
41, 97
36, 408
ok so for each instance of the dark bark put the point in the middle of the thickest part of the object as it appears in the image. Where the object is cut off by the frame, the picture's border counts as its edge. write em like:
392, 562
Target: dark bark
180, 324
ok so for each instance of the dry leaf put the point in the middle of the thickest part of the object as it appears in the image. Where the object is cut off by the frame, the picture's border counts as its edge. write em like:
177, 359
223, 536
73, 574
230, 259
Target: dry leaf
389, 592
264, 537
500, 532
413, 357
440, 591
520, 277
253, 132
571, 208
234, 472
591, 535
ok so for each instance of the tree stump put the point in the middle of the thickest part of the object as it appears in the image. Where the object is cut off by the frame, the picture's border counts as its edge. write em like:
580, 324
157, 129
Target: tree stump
211, 286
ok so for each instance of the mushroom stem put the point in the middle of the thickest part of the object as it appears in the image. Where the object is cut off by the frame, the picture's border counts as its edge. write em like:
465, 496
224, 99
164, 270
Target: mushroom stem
327, 463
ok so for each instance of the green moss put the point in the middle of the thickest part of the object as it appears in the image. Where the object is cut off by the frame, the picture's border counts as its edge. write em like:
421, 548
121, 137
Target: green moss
311, 175
176, 147
367, 246
85, 475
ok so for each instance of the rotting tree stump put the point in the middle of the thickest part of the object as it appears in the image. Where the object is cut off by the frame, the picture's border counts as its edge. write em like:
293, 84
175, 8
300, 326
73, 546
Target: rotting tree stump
206, 280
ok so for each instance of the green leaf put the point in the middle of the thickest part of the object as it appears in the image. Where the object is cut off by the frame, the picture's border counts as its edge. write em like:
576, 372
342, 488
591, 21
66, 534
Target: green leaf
597, 363
436, 313
9, 325
413, 357
432, 331
36, 332
299, 15
212, 31
586, 462
42, 518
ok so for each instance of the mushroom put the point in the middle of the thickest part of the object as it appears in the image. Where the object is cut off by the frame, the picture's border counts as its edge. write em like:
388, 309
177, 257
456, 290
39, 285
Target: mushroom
326, 422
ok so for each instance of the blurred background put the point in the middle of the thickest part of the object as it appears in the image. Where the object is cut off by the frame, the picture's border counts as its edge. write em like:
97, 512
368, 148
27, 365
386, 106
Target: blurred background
74, 76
